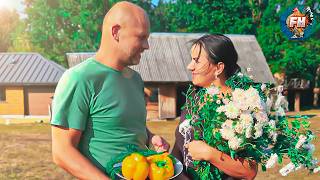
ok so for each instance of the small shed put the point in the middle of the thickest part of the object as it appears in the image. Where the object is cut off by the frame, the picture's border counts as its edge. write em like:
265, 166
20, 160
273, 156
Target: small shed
163, 68
27, 83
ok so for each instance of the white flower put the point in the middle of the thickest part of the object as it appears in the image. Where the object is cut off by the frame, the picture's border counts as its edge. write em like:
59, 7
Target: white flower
252, 92
218, 101
261, 117
315, 170
234, 143
268, 104
246, 118
239, 128
225, 101
280, 112
272, 124
184, 127
213, 90
231, 111
274, 136
288, 169
240, 74
272, 160
239, 99
258, 130
280, 89
314, 163
309, 147
227, 133
258, 133
227, 124
253, 99
281, 102
221, 109
301, 140
263, 87
238, 94
248, 132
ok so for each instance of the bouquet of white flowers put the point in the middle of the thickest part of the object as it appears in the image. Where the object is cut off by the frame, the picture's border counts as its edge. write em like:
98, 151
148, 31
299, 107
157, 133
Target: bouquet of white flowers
241, 124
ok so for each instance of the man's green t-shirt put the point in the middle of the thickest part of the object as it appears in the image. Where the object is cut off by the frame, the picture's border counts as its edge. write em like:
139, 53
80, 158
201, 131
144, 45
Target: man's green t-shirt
106, 104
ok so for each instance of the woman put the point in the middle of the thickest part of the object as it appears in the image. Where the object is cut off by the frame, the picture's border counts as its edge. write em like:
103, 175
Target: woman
214, 60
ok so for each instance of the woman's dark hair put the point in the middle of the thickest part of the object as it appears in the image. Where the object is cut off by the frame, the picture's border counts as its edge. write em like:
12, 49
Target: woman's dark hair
219, 49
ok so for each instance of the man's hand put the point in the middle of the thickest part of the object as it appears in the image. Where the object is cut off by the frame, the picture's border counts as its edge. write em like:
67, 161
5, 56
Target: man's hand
159, 143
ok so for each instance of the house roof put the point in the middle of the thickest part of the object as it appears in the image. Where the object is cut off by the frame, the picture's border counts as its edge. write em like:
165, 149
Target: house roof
169, 55
28, 69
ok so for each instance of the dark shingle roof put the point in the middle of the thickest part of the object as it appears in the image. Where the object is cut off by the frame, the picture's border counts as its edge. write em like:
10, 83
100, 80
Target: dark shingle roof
169, 55
28, 69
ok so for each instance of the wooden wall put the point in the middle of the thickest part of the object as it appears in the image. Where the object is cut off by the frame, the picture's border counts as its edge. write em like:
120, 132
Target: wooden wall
38, 99
14, 104
167, 101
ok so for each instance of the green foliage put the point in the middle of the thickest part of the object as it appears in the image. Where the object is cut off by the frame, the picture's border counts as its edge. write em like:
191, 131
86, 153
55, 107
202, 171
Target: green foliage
298, 59
65, 26
233, 17
9, 21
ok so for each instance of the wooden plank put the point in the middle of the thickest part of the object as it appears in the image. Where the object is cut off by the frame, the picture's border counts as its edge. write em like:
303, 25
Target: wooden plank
39, 99
167, 101
297, 101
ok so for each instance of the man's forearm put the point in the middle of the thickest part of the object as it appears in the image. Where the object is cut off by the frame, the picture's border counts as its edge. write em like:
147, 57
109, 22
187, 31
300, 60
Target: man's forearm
76, 164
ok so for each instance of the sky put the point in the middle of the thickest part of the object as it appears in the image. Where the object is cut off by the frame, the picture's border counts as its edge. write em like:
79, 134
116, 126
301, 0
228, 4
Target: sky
12, 4
18, 5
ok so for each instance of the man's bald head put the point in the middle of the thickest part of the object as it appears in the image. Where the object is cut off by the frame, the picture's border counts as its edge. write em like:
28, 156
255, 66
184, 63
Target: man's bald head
125, 32
125, 12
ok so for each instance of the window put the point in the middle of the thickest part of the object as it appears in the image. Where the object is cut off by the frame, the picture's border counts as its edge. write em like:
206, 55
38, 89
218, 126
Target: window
154, 95
151, 94
2, 94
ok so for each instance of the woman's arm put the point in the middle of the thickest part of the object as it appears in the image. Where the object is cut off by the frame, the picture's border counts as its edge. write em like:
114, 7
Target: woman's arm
238, 168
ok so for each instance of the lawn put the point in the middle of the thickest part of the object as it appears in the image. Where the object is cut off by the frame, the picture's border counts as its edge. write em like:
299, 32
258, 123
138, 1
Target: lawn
25, 151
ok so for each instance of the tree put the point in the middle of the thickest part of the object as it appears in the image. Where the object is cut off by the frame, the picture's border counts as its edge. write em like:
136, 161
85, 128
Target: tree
8, 20
209, 16
21, 41
298, 59
63, 26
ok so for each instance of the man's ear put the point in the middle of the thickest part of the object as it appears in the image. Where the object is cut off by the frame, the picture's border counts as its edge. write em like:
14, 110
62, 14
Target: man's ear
220, 68
115, 30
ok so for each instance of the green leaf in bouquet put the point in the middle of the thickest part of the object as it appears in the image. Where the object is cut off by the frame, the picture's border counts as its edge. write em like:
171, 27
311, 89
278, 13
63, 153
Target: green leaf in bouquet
222, 148
296, 124
218, 136
188, 116
279, 158
263, 167
233, 154
305, 124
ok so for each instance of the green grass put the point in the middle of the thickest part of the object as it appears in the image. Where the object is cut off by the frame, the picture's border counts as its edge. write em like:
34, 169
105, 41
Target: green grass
25, 151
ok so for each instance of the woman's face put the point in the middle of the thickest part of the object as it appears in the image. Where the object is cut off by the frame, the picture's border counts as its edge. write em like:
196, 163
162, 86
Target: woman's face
203, 71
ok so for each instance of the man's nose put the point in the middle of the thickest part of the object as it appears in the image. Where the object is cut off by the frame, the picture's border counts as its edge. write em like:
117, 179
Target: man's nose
145, 45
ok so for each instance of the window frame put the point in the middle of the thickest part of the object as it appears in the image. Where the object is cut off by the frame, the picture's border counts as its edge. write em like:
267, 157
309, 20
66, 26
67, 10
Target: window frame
2, 94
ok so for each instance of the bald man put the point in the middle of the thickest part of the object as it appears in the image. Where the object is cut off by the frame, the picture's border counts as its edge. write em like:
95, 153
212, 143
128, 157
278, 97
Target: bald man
98, 106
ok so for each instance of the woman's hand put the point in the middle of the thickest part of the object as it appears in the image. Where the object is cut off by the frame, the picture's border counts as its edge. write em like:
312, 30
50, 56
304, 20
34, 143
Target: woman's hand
199, 150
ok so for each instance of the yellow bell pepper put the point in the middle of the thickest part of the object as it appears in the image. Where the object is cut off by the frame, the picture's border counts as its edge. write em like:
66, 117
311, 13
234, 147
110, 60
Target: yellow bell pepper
135, 166
161, 167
